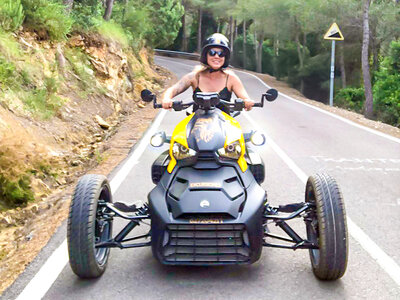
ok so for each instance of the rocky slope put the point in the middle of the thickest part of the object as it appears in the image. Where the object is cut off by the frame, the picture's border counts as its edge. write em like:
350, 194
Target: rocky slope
97, 85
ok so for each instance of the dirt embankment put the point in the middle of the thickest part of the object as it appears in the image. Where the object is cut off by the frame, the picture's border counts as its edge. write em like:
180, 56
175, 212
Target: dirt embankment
100, 119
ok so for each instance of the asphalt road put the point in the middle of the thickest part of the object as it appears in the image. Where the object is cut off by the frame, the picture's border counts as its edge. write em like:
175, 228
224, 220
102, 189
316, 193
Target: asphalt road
302, 141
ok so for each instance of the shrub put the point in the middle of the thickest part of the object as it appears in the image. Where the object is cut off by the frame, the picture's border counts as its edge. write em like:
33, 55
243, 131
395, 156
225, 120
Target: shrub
87, 15
387, 87
7, 74
11, 14
351, 98
47, 16
113, 31
15, 192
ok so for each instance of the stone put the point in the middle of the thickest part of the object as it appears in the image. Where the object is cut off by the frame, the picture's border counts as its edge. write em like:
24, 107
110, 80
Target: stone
103, 124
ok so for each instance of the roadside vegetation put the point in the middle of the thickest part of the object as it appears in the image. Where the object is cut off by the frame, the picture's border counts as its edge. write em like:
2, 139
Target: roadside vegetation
44, 64
285, 40
281, 38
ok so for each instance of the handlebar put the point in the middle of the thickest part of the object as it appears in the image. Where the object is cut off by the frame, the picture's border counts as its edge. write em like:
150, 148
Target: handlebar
236, 106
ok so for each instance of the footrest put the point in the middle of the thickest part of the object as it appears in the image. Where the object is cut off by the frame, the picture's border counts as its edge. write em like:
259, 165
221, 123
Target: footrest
292, 207
125, 208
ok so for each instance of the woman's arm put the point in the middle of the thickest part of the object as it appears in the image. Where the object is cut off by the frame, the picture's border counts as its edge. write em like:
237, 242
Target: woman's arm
240, 91
182, 85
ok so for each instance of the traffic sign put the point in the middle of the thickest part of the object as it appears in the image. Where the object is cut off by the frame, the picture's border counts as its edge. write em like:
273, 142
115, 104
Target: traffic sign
334, 33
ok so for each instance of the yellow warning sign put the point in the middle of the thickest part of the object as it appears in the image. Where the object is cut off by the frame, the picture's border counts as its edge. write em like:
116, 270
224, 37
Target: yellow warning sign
334, 33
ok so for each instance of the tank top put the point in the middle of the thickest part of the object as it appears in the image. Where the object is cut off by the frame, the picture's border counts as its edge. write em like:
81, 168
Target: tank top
224, 94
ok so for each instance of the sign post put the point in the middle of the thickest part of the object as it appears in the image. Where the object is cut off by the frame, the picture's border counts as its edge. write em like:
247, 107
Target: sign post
333, 34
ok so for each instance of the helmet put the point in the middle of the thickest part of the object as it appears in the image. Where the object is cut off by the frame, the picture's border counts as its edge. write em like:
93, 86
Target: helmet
216, 40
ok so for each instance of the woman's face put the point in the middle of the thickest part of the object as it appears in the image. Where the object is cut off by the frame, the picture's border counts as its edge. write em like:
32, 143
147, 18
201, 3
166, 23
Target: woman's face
215, 62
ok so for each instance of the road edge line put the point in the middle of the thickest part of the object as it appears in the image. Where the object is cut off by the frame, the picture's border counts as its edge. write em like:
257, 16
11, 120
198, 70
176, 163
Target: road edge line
383, 260
51, 269
381, 134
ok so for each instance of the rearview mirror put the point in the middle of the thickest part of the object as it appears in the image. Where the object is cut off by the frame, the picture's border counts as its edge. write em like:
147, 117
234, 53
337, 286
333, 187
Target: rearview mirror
147, 96
271, 95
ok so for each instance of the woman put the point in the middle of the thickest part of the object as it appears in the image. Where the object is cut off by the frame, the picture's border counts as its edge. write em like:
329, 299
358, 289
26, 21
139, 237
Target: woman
212, 76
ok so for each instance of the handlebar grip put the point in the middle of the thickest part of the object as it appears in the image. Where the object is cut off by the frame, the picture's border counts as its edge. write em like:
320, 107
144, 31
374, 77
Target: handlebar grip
156, 105
258, 105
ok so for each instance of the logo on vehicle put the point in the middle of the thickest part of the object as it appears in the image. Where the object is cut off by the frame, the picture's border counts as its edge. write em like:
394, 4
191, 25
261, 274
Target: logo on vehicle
205, 185
204, 204
206, 221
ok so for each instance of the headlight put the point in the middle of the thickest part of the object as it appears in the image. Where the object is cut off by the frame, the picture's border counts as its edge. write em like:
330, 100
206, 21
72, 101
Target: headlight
181, 152
232, 151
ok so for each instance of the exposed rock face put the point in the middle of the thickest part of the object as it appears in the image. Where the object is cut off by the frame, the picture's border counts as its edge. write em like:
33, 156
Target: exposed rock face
97, 83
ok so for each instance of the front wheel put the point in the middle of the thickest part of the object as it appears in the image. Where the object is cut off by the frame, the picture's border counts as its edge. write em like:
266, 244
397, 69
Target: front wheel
326, 226
86, 227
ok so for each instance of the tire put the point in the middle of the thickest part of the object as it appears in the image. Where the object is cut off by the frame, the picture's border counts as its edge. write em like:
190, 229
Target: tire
84, 227
326, 226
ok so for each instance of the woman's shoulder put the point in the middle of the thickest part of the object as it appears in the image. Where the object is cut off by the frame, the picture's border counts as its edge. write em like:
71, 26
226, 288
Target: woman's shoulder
230, 72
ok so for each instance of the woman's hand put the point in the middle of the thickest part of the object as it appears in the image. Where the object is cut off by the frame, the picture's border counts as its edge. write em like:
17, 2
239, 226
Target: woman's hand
166, 103
248, 104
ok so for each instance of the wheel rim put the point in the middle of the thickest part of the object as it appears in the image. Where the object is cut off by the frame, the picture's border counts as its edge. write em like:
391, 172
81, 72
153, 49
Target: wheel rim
102, 232
312, 229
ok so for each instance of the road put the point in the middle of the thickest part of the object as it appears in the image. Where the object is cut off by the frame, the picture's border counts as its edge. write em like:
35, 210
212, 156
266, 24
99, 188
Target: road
301, 141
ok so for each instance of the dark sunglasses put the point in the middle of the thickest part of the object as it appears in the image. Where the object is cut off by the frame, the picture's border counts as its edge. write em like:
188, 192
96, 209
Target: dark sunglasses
221, 53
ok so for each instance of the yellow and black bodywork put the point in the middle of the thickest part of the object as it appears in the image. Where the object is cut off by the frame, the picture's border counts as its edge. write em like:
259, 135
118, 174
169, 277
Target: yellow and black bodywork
207, 206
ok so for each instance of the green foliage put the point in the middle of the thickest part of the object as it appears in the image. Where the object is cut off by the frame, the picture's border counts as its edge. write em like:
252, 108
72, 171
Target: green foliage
165, 17
87, 14
41, 103
47, 17
387, 87
113, 31
81, 66
135, 21
7, 74
9, 48
15, 192
350, 98
11, 14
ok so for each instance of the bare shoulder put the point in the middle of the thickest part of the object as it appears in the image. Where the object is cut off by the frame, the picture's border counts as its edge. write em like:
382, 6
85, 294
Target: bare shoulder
232, 75
233, 78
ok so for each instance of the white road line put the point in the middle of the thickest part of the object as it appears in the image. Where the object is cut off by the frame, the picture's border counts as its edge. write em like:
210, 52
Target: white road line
392, 138
381, 134
48, 273
384, 260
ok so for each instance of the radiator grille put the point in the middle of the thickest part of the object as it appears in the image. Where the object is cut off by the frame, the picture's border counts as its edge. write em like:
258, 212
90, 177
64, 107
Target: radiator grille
204, 243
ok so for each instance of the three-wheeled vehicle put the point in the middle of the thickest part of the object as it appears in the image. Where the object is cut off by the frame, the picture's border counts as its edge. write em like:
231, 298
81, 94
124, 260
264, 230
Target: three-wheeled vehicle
208, 207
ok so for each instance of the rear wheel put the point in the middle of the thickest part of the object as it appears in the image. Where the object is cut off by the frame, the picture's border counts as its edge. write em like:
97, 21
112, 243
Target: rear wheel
326, 226
86, 227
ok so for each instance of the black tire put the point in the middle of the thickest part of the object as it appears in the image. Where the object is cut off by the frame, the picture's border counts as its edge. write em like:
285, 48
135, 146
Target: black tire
84, 227
327, 227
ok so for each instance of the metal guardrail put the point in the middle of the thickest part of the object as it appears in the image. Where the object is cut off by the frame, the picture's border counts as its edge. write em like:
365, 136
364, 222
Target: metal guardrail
192, 56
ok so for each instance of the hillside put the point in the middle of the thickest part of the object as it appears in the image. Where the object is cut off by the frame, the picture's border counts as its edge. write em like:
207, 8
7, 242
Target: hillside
80, 109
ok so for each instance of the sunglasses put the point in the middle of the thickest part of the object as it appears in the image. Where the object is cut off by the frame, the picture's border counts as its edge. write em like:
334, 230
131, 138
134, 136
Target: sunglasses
221, 53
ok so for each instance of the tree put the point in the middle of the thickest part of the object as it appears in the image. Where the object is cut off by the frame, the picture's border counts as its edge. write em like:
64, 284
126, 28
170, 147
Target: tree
365, 62
68, 4
165, 16
107, 13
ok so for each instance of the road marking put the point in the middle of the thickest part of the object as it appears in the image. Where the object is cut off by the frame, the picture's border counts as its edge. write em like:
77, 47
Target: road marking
381, 134
389, 137
49, 272
384, 260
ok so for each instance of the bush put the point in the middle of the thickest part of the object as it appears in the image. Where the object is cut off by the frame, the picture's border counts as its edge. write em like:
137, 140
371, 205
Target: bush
351, 98
7, 74
11, 14
114, 31
87, 15
387, 87
15, 192
48, 18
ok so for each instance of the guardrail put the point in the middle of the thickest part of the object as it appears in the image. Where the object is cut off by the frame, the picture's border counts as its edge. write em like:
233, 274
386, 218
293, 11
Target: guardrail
192, 56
